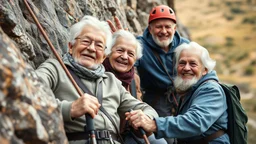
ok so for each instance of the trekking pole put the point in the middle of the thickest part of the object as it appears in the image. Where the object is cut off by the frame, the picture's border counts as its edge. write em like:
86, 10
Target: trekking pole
89, 121
142, 132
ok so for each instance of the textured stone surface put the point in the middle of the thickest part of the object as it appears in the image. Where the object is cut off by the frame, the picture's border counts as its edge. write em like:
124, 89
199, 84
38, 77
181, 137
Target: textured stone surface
28, 110
56, 16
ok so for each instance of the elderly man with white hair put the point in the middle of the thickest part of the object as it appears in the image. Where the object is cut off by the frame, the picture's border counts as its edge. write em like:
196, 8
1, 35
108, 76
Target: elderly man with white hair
89, 44
202, 115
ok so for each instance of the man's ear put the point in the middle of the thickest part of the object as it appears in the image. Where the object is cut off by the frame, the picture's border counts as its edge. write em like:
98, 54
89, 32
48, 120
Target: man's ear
70, 46
205, 71
150, 28
175, 27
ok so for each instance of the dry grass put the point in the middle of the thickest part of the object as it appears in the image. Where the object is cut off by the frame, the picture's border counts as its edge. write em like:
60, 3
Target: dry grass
219, 26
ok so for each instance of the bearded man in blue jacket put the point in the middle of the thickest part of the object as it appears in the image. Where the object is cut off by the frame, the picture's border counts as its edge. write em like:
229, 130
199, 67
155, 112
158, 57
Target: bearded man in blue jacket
202, 115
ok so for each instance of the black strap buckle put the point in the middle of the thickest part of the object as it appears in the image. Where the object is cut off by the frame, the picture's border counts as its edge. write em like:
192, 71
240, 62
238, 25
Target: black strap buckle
103, 135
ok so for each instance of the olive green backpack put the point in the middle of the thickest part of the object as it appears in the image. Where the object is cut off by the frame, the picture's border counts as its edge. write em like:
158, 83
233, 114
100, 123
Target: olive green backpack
237, 117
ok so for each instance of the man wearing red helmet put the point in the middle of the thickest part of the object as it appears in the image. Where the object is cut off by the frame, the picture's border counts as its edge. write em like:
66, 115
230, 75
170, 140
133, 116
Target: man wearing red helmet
155, 68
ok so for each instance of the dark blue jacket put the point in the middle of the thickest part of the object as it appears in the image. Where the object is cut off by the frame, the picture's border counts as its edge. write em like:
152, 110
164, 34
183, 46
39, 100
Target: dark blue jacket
152, 74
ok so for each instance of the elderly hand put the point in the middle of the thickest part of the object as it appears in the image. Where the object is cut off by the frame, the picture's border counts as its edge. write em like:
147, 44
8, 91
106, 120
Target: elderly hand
138, 119
118, 25
85, 104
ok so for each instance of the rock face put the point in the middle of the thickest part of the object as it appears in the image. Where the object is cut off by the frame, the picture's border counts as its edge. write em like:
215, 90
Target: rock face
28, 111
56, 16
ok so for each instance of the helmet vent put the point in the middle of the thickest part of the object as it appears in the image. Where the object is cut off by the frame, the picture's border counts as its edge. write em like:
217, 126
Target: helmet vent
160, 12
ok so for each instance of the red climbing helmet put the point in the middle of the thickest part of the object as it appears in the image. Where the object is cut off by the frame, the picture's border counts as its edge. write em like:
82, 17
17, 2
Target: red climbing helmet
161, 11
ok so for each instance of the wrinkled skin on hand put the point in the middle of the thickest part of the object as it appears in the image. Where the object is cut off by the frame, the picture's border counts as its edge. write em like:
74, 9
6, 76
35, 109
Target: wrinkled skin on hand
85, 104
138, 119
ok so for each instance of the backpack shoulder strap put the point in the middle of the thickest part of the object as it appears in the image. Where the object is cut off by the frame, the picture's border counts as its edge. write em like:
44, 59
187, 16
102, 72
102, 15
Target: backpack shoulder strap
133, 88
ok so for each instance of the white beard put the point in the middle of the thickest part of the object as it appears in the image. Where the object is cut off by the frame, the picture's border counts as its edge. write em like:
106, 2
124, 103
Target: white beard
183, 85
164, 43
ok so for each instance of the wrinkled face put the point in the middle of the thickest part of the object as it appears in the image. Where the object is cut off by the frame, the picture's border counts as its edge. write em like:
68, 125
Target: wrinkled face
162, 31
123, 55
190, 65
88, 50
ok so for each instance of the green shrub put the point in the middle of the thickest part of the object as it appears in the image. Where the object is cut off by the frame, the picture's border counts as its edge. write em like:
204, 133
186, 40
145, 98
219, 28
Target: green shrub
253, 62
229, 17
249, 71
227, 63
236, 10
251, 20
229, 38
248, 1
239, 3
229, 42
232, 71
254, 109
242, 56
228, 3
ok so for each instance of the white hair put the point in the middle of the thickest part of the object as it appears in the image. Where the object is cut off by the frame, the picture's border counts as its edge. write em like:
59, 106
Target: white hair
87, 20
129, 37
204, 55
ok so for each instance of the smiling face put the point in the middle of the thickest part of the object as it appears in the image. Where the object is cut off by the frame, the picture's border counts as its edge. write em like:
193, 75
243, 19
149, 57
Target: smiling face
88, 50
162, 31
190, 65
123, 55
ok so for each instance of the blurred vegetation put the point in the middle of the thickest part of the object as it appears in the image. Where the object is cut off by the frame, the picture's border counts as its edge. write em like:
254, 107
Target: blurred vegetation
249, 20
241, 56
249, 71
229, 41
236, 10
229, 17
253, 62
